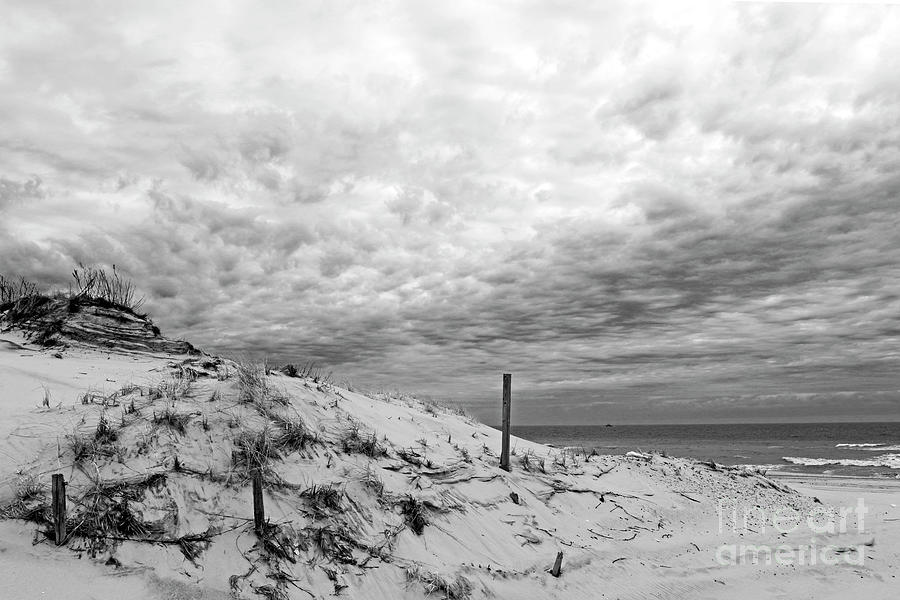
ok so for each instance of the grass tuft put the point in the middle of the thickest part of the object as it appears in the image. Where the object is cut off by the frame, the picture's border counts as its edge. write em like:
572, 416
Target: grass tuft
105, 514
335, 542
26, 308
251, 382
28, 488
531, 461
370, 479
294, 434
255, 450
354, 442
193, 545
456, 588
106, 286
105, 433
12, 290
173, 420
29, 502
323, 498
414, 514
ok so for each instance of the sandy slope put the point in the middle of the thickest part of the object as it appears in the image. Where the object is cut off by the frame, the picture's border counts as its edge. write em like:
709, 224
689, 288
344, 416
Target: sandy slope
629, 527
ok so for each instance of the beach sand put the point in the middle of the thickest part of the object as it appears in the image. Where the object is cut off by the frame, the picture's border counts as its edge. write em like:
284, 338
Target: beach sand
419, 506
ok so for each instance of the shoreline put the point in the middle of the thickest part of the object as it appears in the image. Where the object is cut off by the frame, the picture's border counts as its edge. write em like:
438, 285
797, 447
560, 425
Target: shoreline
827, 476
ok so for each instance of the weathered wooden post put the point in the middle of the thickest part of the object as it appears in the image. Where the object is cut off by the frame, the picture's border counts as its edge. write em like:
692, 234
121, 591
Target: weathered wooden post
557, 566
507, 406
259, 511
59, 509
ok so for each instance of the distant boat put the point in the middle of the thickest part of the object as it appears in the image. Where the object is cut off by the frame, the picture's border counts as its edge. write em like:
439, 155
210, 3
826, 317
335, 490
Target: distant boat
608, 425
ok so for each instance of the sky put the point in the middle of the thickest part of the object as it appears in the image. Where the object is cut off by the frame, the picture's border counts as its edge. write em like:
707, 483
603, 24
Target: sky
646, 212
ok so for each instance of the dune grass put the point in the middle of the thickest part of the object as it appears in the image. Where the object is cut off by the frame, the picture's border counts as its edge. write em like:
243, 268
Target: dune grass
294, 434
255, 450
323, 498
414, 514
354, 441
23, 299
173, 420
12, 290
252, 385
455, 588
108, 286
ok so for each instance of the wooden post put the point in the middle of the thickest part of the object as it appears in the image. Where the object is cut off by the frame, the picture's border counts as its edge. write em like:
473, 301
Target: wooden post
507, 406
59, 509
557, 566
259, 511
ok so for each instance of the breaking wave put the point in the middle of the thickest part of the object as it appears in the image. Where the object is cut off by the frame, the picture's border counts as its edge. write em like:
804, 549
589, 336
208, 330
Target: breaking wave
757, 467
892, 461
857, 445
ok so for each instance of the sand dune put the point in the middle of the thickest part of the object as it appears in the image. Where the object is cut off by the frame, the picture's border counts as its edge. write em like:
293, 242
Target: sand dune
367, 497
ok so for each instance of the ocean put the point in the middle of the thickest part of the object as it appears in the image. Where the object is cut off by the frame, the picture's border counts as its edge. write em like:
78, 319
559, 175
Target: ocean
840, 449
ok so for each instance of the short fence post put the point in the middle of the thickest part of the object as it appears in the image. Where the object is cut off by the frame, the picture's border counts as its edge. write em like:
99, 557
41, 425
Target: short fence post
259, 511
507, 402
557, 566
59, 509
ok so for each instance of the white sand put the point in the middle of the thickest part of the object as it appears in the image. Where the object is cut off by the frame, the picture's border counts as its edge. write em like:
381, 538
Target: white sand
629, 527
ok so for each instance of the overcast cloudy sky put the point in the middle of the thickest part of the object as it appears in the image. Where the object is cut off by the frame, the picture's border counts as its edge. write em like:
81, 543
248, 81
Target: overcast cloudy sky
646, 212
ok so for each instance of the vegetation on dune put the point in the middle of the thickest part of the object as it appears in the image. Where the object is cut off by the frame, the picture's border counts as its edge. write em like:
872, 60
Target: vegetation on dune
354, 442
108, 286
255, 450
29, 501
252, 385
107, 512
414, 513
455, 588
372, 481
309, 370
111, 503
294, 433
43, 312
173, 420
323, 498
12, 290
91, 285
25, 308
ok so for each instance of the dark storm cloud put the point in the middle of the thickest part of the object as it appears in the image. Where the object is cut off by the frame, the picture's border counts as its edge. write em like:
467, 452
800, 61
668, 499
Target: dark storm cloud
644, 211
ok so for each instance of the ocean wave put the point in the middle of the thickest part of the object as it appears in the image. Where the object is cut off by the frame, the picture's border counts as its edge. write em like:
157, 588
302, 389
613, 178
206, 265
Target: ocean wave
891, 461
857, 445
869, 447
762, 467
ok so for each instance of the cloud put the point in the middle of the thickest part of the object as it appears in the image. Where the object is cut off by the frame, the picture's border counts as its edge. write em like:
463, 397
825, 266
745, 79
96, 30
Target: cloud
644, 212
16, 192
